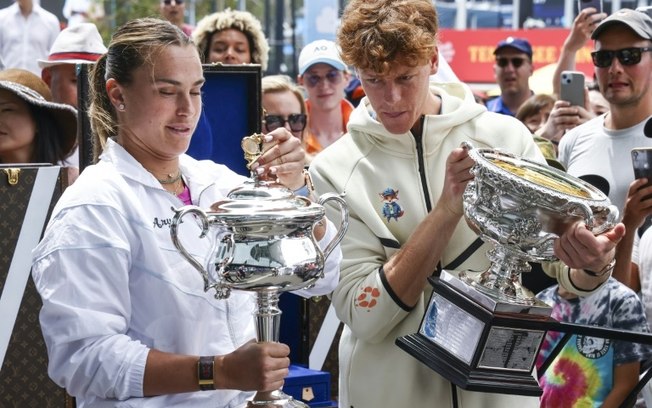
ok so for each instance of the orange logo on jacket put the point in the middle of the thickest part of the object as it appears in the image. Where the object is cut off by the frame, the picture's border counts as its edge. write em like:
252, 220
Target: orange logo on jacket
367, 298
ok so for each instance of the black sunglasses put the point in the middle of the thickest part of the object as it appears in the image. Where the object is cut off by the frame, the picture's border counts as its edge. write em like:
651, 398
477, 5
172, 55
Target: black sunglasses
168, 2
297, 122
626, 56
504, 61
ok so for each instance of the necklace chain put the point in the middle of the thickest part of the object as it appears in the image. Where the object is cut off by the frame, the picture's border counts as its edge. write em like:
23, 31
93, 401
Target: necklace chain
177, 189
170, 179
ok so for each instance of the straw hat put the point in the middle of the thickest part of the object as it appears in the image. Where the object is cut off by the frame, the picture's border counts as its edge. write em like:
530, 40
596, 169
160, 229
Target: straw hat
34, 91
79, 44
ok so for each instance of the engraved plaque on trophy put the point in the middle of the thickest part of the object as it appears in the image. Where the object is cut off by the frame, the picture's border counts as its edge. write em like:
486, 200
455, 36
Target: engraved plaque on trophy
521, 207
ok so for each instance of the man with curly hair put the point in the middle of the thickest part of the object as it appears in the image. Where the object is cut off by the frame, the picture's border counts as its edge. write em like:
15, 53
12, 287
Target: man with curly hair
405, 136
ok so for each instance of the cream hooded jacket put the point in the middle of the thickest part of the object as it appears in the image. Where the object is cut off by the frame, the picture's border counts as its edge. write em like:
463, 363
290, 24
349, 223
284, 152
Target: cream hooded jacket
114, 286
391, 182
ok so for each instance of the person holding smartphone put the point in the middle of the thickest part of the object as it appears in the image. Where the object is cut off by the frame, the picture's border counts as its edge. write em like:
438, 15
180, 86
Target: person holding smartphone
595, 149
566, 115
623, 69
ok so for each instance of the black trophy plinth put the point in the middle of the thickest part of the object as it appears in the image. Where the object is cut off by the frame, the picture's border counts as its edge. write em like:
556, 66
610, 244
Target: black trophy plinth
463, 338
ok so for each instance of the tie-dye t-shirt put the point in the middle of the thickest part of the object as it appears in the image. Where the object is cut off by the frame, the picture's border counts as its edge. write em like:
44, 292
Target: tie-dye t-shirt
582, 373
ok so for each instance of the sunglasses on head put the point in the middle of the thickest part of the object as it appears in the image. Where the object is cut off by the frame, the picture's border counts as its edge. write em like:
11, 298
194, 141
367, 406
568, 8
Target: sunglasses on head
504, 61
626, 56
334, 77
168, 2
297, 122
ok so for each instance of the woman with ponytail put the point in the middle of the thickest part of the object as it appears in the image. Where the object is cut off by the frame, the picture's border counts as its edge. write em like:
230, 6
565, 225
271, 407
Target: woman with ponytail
124, 316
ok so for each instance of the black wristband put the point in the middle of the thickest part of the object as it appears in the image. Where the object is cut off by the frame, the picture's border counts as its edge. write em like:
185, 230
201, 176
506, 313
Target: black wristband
205, 367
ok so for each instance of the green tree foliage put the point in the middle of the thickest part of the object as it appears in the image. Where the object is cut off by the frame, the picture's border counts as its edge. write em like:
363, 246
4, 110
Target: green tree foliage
119, 12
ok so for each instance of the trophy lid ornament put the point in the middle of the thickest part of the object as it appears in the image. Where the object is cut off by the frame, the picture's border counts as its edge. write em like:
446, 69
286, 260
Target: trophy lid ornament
252, 146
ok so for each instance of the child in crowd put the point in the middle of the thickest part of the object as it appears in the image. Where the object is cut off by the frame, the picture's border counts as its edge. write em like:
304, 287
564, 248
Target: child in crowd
589, 371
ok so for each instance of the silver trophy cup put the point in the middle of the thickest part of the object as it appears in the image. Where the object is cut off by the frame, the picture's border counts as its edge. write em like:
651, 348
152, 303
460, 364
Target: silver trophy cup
475, 330
521, 207
262, 242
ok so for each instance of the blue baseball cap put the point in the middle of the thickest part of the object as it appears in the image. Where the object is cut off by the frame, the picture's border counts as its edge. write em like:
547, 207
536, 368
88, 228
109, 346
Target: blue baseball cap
519, 44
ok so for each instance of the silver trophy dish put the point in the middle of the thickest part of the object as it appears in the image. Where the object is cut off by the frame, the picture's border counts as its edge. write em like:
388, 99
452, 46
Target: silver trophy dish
481, 329
521, 207
263, 242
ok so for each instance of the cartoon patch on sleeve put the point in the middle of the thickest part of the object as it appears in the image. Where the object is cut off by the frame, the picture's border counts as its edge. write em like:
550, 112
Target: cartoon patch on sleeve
391, 207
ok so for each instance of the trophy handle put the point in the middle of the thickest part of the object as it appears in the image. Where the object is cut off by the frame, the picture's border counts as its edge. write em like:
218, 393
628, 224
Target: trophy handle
610, 219
344, 220
600, 222
179, 214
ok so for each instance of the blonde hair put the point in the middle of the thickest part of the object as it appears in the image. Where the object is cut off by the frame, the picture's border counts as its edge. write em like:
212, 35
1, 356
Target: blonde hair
242, 21
374, 33
283, 83
133, 45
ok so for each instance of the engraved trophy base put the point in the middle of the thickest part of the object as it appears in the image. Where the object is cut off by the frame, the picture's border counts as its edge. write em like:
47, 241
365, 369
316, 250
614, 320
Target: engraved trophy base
274, 399
460, 340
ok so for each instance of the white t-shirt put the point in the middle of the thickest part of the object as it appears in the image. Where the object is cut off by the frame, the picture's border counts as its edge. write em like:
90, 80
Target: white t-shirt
592, 150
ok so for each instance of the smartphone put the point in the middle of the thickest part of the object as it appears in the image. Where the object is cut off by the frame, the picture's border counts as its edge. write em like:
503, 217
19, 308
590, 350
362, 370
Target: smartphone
642, 163
596, 4
572, 87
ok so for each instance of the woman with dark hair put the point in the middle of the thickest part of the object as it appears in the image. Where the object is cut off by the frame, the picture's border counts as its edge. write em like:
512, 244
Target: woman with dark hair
32, 128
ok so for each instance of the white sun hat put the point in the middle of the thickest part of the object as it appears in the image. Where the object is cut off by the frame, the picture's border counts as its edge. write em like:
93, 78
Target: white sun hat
79, 44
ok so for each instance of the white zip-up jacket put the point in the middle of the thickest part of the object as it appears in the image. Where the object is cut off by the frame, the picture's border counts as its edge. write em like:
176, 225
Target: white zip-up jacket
114, 286
391, 181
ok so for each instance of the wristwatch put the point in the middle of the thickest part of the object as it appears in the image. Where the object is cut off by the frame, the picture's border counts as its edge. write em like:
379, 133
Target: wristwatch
205, 367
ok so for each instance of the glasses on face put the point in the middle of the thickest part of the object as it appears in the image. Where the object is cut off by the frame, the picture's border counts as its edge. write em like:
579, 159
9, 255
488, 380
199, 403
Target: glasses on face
334, 77
504, 61
168, 2
626, 56
297, 122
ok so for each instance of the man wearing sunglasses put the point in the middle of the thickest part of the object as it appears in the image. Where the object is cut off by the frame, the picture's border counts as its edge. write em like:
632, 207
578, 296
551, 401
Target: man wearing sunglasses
601, 147
324, 76
623, 69
512, 69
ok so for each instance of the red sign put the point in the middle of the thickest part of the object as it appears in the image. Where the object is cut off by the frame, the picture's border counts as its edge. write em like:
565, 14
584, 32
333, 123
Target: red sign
470, 53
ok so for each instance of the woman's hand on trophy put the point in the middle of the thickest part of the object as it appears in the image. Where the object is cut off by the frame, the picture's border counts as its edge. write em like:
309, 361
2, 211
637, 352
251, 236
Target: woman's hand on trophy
458, 174
255, 366
283, 157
